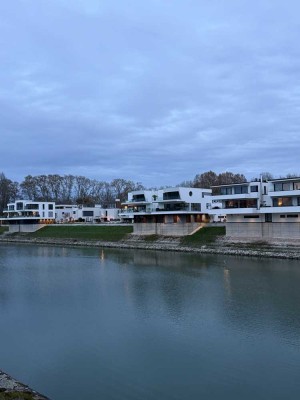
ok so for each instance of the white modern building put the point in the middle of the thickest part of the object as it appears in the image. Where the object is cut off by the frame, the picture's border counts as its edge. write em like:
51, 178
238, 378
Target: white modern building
65, 213
261, 210
28, 215
140, 201
174, 211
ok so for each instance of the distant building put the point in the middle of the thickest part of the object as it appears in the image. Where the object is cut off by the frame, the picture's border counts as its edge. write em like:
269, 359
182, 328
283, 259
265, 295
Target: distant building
28, 215
76, 213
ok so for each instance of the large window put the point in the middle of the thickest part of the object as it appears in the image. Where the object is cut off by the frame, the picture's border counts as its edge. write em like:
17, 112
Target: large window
296, 185
241, 189
250, 203
138, 197
171, 196
32, 206
87, 213
282, 202
254, 188
195, 206
226, 190
280, 186
19, 206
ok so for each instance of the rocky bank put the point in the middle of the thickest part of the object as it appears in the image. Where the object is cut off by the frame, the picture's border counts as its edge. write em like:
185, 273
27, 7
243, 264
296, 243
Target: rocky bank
227, 246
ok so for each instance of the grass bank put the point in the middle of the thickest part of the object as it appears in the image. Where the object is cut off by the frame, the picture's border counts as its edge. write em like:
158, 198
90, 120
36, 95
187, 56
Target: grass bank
206, 235
81, 232
3, 229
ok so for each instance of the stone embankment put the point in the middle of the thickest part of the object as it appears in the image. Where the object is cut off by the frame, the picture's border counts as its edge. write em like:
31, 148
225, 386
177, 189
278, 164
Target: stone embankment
12, 389
227, 246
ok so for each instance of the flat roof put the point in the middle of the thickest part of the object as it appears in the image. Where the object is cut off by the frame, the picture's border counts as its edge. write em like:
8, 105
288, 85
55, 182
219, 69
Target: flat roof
296, 178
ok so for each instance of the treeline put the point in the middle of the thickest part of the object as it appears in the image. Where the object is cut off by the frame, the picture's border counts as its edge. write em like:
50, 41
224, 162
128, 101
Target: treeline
74, 189
66, 189
209, 179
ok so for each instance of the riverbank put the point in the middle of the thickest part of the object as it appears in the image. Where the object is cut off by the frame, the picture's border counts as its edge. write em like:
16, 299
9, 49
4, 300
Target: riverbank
12, 389
221, 245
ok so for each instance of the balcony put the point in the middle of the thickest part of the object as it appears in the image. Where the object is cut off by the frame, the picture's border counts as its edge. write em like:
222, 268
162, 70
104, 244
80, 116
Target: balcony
284, 193
242, 196
280, 210
234, 211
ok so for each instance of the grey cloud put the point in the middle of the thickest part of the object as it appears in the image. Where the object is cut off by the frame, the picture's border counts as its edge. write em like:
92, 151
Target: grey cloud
150, 91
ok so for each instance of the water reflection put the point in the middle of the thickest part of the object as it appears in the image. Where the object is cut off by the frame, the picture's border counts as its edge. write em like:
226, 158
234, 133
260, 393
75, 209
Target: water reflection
153, 324
263, 295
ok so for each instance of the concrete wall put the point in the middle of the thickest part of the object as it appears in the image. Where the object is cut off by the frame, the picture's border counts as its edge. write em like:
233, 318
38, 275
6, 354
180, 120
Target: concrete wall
263, 230
171, 229
26, 228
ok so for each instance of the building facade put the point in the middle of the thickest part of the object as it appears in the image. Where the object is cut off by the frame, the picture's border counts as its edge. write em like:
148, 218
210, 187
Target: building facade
28, 215
65, 213
261, 210
173, 211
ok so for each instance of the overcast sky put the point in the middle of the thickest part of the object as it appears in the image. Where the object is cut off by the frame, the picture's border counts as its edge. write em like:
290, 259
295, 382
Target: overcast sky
154, 91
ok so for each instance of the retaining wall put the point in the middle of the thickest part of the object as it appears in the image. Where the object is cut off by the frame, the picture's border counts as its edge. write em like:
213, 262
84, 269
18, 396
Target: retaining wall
179, 229
263, 230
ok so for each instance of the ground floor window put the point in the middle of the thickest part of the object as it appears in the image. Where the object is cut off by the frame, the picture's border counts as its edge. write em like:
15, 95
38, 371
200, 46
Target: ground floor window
282, 202
268, 217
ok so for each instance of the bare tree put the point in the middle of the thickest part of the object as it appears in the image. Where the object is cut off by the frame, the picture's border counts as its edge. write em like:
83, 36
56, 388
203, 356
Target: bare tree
206, 180
9, 191
29, 188
227, 178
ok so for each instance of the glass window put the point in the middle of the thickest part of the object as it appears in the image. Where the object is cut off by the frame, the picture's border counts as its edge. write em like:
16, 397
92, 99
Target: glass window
19, 206
171, 196
195, 206
282, 202
296, 185
87, 213
241, 189
138, 197
279, 187
254, 188
226, 190
50, 206
268, 217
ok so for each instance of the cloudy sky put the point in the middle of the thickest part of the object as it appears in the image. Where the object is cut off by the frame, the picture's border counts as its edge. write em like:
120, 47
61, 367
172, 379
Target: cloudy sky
153, 91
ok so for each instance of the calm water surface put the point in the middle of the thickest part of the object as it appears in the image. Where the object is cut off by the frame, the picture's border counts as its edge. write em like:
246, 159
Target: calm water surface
87, 324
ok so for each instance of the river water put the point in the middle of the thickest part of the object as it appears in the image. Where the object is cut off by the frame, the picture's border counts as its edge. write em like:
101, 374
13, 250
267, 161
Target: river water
108, 324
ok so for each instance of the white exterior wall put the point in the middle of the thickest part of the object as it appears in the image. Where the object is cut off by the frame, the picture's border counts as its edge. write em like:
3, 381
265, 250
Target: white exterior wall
189, 195
71, 213
66, 213
147, 193
46, 210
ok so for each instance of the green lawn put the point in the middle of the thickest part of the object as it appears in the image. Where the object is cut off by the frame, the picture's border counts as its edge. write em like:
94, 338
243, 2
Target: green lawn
206, 235
3, 229
107, 233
